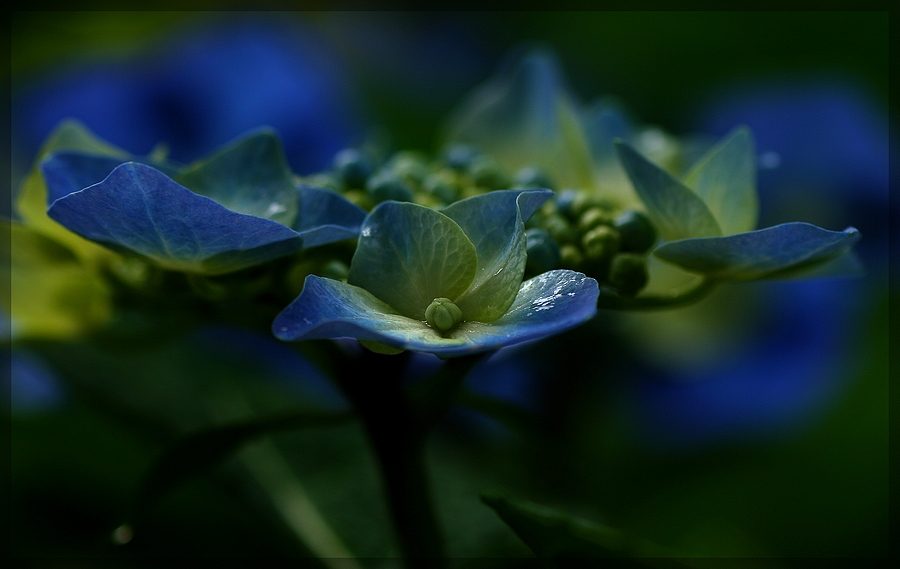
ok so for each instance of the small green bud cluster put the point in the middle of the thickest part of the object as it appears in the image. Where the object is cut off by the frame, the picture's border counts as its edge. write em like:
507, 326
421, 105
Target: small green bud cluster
443, 315
589, 234
460, 172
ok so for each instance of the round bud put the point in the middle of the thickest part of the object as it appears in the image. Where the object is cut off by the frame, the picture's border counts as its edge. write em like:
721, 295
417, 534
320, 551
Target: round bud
386, 185
592, 218
558, 228
353, 167
443, 185
565, 201
409, 167
628, 273
460, 156
442, 314
570, 257
543, 252
533, 177
601, 242
638, 234
486, 173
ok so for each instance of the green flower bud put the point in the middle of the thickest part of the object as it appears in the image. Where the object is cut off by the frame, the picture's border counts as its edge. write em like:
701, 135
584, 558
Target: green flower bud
559, 229
592, 218
460, 156
638, 234
570, 257
628, 273
442, 314
487, 174
410, 167
601, 242
543, 252
386, 185
443, 185
353, 167
533, 177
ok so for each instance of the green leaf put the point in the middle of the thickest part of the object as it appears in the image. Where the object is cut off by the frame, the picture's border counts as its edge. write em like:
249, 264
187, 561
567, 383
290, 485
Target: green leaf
675, 209
495, 223
249, 176
408, 255
556, 536
199, 452
725, 179
764, 253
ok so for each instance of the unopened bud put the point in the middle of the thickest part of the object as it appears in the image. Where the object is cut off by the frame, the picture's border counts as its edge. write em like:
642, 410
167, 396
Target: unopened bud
442, 314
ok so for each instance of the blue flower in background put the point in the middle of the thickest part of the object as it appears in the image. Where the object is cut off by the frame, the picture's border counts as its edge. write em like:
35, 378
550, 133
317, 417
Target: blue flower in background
212, 84
447, 283
822, 140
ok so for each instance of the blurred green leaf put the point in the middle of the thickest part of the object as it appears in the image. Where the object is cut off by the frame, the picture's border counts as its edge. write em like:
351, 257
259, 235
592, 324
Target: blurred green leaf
557, 536
201, 451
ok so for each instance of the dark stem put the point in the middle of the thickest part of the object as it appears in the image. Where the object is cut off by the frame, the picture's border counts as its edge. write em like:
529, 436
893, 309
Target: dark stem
373, 383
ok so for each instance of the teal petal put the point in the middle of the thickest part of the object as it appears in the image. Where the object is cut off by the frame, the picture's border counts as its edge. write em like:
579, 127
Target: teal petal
250, 176
725, 179
495, 223
758, 254
677, 212
408, 255
326, 309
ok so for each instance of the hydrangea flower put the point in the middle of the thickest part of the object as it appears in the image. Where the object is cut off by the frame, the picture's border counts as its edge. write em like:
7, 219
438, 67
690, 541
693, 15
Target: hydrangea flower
708, 219
447, 282
237, 208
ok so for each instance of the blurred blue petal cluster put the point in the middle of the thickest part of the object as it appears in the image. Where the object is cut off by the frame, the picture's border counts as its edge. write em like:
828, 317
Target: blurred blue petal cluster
215, 81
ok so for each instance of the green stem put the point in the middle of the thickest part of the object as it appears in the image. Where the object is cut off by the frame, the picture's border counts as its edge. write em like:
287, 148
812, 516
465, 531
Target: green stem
611, 301
373, 384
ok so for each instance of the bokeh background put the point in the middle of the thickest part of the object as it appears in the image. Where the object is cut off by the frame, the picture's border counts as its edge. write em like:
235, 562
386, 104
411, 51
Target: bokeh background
754, 424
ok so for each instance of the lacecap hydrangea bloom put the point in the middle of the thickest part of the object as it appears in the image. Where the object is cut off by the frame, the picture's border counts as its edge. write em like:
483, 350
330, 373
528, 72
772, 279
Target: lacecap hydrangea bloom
446, 282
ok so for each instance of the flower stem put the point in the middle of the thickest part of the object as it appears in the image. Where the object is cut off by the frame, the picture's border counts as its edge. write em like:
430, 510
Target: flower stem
373, 384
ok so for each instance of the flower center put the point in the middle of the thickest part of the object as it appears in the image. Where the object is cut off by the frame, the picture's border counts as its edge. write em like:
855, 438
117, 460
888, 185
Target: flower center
442, 314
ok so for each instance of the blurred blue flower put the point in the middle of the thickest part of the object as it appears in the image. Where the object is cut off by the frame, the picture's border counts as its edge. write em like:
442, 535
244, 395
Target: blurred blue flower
210, 84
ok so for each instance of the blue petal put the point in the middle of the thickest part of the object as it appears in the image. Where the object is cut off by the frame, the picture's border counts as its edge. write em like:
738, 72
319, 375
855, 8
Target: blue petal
139, 209
327, 309
324, 217
757, 254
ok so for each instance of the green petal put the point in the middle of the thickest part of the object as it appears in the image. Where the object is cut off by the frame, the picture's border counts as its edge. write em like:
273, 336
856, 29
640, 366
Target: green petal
408, 255
249, 176
495, 223
525, 116
725, 179
675, 209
